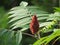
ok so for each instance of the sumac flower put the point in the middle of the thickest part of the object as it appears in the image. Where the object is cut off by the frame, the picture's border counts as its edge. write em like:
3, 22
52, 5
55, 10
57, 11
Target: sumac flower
34, 25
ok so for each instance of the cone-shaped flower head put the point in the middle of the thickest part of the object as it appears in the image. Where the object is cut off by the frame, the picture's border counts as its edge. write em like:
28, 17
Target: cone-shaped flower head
34, 25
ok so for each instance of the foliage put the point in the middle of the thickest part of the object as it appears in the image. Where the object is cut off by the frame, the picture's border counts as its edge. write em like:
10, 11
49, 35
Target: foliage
9, 37
47, 39
20, 17
50, 27
57, 9
23, 20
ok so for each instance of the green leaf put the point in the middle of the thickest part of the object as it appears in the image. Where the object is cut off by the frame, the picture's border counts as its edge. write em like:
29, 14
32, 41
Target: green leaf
54, 16
6, 37
40, 40
23, 4
18, 37
47, 39
2, 31
44, 24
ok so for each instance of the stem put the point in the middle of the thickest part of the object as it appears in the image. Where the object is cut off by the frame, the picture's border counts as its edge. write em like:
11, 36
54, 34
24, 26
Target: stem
30, 35
38, 34
55, 41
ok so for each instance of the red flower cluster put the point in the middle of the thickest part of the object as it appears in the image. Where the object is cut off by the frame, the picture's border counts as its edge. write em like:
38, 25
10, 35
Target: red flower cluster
34, 25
